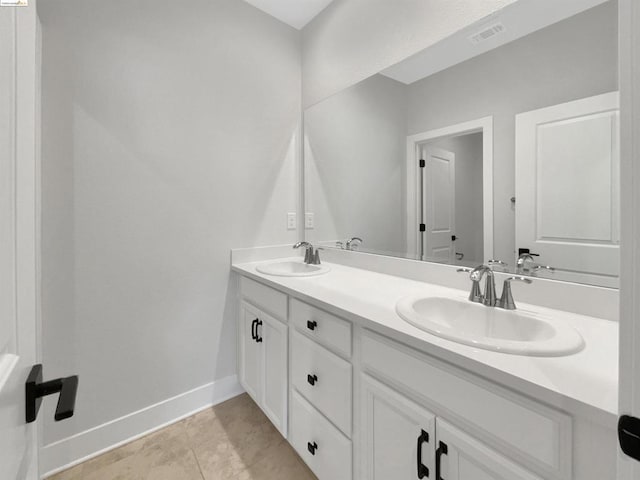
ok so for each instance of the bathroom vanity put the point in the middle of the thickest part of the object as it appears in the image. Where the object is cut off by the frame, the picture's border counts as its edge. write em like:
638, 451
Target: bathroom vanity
362, 394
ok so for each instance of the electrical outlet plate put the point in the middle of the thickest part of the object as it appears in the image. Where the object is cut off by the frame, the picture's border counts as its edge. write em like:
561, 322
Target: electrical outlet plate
308, 221
292, 222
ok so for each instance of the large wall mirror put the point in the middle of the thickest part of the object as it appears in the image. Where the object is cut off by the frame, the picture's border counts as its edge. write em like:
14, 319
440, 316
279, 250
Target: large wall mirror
497, 145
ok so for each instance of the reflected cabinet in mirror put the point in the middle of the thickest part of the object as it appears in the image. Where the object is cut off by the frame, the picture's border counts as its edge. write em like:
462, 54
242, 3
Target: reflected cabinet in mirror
499, 145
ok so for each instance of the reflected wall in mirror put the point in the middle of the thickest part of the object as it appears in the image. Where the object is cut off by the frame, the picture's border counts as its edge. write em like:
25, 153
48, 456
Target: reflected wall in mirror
476, 150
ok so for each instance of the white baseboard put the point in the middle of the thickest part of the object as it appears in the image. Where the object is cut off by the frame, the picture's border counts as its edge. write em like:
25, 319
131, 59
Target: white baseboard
78, 448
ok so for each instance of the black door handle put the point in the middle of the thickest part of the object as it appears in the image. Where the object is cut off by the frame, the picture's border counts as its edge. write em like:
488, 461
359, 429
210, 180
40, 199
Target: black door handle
258, 337
312, 447
423, 471
35, 389
312, 324
442, 450
253, 329
312, 379
629, 436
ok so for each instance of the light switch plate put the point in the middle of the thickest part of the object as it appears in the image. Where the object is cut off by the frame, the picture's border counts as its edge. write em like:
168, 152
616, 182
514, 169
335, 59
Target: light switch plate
292, 222
308, 221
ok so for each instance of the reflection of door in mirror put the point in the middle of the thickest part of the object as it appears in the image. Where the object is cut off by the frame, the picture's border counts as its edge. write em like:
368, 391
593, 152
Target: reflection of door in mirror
452, 199
439, 204
567, 188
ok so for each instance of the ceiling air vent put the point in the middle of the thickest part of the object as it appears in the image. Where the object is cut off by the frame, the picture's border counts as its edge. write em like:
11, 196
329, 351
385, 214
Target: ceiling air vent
487, 33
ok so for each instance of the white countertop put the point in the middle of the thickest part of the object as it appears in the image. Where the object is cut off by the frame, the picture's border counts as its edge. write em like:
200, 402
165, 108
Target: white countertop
585, 383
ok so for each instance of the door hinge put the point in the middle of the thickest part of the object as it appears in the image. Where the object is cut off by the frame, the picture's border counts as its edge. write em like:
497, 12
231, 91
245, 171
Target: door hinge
422, 163
423, 227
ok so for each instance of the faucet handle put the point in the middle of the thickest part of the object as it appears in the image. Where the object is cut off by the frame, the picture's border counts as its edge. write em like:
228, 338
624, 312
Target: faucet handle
544, 267
475, 295
497, 262
506, 300
316, 256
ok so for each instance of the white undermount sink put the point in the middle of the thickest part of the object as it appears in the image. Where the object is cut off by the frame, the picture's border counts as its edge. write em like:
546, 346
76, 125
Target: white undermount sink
292, 268
490, 328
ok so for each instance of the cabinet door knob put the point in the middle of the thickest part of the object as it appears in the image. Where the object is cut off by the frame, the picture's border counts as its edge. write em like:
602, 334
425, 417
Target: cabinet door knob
423, 471
312, 447
312, 324
254, 336
442, 450
258, 337
312, 379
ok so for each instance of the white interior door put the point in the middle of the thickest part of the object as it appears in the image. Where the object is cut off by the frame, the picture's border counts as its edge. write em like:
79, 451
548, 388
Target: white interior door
438, 197
18, 238
568, 187
629, 394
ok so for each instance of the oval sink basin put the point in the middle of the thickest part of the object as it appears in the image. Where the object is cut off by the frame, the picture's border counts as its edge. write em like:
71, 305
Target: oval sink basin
292, 268
507, 331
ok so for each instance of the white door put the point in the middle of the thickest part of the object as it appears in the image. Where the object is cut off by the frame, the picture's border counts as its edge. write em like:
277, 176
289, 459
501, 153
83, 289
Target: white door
250, 352
438, 197
460, 457
398, 435
568, 187
273, 334
18, 238
629, 394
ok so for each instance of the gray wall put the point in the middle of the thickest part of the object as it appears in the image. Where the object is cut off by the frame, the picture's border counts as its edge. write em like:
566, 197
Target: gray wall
354, 165
573, 59
354, 39
167, 141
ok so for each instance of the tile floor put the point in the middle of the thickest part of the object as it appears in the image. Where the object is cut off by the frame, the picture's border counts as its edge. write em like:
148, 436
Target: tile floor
231, 441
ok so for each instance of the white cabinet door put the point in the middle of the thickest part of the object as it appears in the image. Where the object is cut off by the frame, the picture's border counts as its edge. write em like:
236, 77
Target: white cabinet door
263, 366
460, 457
568, 187
274, 400
398, 435
250, 352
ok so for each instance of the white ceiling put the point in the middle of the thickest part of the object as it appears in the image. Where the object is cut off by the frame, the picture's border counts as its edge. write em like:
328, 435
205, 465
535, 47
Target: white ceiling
296, 13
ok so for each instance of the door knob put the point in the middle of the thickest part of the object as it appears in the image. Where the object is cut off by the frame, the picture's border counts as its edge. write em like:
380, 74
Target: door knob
35, 389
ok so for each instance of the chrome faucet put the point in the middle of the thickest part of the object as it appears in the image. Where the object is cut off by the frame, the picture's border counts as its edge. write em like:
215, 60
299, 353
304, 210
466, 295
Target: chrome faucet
527, 264
489, 296
506, 300
350, 243
311, 257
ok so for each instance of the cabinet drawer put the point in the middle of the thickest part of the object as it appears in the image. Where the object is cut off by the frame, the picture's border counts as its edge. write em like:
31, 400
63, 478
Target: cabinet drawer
271, 301
324, 449
323, 378
533, 434
323, 327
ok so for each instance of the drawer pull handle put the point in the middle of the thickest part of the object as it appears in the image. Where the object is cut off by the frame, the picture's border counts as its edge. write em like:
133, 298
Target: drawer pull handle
312, 447
312, 379
423, 471
258, 337
442, 450
254, 324
312, 324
